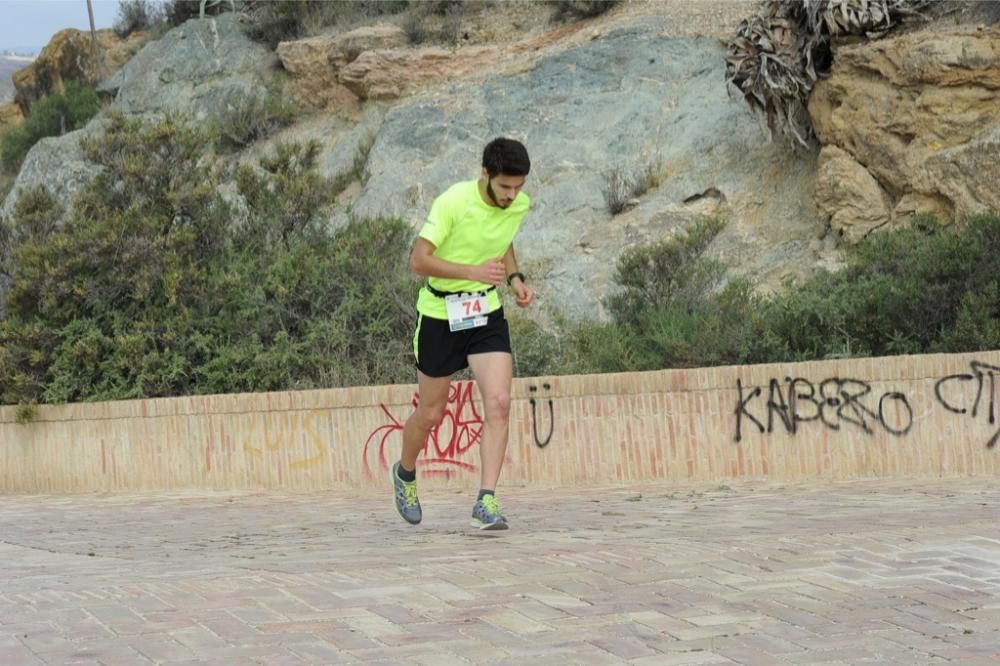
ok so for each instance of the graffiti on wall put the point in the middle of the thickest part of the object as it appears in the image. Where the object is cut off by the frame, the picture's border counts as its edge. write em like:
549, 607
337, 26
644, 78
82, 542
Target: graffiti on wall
541, 440
837, 403
447, 447
280, 433
833, 402
955, 393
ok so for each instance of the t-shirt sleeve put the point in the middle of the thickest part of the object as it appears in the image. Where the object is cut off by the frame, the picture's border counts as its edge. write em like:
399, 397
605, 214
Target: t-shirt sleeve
439, 221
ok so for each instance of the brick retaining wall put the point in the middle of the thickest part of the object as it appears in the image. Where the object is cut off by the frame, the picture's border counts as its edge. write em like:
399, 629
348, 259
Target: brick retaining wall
901, 417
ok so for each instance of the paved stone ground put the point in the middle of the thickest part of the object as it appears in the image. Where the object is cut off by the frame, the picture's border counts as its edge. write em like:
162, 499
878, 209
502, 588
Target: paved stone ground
848, 573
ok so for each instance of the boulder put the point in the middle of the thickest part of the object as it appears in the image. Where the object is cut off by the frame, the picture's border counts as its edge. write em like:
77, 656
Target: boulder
59, 164
313, 79
912, 109
389, 73
849, 196
191, 70
69, 56
348, 46
968, 174
314, 63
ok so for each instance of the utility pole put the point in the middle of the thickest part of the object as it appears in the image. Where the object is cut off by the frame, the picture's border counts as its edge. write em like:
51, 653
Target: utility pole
93, 39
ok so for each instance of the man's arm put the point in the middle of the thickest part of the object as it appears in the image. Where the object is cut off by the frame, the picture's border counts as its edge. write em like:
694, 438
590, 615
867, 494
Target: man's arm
510, 261
523, 294
423, 262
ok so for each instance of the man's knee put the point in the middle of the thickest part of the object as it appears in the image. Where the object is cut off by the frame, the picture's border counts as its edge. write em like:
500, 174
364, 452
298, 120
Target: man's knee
429, 414
498, 406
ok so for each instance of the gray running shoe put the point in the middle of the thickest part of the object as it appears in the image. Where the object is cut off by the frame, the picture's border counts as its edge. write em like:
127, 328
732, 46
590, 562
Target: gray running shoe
405, 496
486, 514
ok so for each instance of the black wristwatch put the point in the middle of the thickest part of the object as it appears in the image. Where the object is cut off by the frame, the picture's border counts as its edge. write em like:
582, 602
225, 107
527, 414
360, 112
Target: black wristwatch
513, 275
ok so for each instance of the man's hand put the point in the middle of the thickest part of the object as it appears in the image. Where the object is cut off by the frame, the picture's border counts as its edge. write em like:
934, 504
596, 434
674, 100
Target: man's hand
523, 294
490, 272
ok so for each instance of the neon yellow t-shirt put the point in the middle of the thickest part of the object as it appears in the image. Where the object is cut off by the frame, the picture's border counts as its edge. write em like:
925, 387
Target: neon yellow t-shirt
464, 229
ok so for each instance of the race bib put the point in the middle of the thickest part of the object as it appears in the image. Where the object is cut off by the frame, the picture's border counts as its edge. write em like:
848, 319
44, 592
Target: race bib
466, 311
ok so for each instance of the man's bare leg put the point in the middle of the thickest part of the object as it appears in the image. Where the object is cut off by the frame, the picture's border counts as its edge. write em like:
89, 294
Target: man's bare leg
493, 372
433, 392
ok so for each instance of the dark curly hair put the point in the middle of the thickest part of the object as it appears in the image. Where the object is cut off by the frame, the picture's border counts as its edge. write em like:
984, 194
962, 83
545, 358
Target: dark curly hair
507, 157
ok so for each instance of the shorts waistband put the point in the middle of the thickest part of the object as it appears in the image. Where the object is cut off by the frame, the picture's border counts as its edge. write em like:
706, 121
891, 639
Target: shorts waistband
444, 294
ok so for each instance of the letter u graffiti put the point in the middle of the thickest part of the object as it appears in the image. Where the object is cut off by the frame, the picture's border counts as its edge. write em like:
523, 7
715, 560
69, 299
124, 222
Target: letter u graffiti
541, 443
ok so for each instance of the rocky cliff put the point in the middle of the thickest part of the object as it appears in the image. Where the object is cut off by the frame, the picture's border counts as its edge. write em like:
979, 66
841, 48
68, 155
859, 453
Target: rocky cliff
907, 123
71, 55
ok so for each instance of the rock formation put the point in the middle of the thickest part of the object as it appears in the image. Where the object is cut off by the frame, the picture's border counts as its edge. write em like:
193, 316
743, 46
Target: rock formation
191, 70
919, 113
10, 115
69, 56
907, 124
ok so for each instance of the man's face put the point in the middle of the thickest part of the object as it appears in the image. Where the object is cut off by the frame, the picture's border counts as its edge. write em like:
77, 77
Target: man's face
503, 189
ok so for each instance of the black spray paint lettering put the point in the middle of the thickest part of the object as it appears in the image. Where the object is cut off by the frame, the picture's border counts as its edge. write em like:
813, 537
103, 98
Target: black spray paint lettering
980, 371
833, 402
541, 443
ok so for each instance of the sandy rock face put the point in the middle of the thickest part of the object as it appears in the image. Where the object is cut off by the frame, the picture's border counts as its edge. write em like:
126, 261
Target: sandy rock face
313, 80
921, 112
388, 74
69, 56
315, 63
10, 115
374, 63
849, 195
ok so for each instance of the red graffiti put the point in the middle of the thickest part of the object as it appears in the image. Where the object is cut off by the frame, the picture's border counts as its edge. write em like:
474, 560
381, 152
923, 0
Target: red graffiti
460, 428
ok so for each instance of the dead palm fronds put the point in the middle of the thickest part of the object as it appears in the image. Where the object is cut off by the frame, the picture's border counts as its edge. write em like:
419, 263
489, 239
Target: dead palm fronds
778, 55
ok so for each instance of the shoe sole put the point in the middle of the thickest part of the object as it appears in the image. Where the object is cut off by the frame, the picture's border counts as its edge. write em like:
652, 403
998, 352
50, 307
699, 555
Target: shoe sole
502, 525
392, 480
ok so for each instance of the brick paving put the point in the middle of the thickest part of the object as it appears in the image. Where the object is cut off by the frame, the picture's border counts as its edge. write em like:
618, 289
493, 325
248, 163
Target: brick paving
825, 573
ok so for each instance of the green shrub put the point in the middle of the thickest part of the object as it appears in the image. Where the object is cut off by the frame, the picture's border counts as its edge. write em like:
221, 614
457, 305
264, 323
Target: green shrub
285, 195
53, 115
671, 309
626, 182
922, 289
275, 22
176, 12
576, 10
359, 167
248, 117
33, 220
179, 11
669, 335
25, 414
977, 323
154, 287
322, 310
429, 20
7, 180
137, 15
669, 272
538, 350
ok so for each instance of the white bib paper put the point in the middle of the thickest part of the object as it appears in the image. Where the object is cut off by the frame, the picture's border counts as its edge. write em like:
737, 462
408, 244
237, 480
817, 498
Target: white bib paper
466, 311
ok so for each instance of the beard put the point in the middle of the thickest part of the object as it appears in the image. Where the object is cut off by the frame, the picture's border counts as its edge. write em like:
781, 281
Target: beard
493, 196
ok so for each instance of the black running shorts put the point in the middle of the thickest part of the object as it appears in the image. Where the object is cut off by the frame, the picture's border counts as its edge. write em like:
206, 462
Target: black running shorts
441, 353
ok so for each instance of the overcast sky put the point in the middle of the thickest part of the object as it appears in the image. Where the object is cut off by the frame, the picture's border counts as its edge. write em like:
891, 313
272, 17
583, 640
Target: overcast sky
27, 25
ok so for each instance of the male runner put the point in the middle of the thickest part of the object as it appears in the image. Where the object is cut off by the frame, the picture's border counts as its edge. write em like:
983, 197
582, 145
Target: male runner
465, 249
